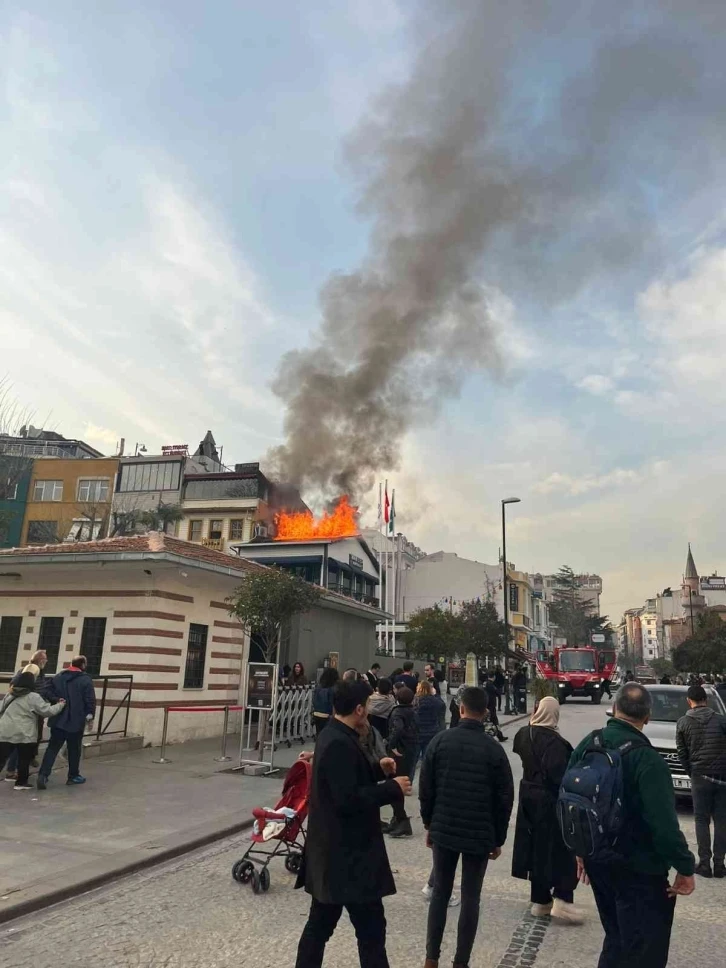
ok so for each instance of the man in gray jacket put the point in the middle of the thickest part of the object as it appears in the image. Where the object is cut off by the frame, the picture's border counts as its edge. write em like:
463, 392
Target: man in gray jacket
701, 743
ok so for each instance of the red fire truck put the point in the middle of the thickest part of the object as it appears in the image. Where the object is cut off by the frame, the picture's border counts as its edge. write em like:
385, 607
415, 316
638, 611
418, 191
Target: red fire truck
578, 671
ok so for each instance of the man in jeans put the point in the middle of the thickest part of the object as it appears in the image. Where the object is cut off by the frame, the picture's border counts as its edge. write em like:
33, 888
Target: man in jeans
635, 902
466, 792
76, 688
701, 742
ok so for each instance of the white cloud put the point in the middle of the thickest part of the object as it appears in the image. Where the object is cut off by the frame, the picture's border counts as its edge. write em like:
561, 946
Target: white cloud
596, 383
573, 486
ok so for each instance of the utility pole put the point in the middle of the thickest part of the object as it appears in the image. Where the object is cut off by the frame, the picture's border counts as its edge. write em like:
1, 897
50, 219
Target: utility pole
505, 502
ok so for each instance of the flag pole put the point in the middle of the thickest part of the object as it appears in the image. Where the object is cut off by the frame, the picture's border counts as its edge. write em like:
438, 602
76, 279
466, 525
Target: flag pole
393, 570
385, 558
380, 561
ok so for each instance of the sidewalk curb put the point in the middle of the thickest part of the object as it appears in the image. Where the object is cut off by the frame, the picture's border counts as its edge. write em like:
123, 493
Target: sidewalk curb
513, 720
68, 884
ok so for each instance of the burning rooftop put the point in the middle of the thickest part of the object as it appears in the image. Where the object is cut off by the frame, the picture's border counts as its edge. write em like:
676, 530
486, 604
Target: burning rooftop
340, 522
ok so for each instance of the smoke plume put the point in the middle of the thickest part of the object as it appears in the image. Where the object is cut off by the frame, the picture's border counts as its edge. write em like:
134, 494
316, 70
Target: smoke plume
529, 152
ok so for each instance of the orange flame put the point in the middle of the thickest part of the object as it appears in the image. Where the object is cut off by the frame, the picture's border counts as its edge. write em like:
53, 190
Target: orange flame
341, 522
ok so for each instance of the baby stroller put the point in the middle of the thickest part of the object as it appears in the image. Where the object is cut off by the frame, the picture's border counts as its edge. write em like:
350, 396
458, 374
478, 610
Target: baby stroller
281, 828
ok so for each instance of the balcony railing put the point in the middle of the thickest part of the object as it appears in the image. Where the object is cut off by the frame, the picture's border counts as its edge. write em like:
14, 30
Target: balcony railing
217, 544
356, 596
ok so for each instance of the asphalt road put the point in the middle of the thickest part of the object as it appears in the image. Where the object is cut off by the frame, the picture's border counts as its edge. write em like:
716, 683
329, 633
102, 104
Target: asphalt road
190, 914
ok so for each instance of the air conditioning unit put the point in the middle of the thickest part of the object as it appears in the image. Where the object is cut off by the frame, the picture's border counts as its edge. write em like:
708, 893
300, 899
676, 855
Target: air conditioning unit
260, 530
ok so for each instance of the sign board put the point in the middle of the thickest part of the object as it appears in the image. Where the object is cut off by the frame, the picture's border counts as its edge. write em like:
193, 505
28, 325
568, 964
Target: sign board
169, 450
597, 638
355, 561
456, 677
713, 582
260, 685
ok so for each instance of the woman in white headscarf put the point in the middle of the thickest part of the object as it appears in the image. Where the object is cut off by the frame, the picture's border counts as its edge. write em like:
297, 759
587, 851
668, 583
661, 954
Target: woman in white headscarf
540, 855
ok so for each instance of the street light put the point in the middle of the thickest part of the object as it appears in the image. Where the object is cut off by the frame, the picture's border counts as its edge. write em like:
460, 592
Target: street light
505, 502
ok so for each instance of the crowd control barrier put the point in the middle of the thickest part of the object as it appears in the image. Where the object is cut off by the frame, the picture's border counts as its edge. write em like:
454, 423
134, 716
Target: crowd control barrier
293, 714
198, 709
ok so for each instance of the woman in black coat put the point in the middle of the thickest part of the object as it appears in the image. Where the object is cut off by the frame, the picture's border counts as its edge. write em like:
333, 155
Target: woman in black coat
540, 855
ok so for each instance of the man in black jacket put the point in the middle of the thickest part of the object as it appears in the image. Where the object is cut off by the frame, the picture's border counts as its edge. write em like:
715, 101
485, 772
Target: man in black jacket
75, 686
346, 864
701, 743
466, 793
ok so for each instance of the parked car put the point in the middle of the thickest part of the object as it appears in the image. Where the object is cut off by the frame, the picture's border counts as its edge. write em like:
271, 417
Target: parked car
669, 704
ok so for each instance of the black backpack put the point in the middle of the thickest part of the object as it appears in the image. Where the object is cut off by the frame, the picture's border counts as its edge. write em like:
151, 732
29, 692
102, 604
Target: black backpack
590, 806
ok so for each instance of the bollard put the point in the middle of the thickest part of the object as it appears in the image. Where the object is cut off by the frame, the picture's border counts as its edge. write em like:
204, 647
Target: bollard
162, 758
224, 758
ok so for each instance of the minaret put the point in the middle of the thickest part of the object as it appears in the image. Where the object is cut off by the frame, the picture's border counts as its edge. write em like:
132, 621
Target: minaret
692, 602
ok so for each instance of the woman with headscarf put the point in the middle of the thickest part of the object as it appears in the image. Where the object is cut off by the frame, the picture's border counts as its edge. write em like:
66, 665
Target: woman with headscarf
540, 855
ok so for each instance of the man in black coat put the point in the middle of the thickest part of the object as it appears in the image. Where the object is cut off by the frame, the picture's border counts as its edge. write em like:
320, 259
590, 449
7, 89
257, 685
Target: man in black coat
701, 744
346, 864
75, 686
466, 792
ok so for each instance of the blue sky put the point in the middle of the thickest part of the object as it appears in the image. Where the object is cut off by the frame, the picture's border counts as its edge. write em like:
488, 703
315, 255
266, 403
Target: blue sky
174, 193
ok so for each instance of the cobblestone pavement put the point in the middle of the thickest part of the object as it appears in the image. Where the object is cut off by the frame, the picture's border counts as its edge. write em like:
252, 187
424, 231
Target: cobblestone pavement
190, 914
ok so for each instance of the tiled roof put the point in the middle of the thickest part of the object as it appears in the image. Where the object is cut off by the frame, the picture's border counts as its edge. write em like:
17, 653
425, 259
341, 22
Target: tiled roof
153, 542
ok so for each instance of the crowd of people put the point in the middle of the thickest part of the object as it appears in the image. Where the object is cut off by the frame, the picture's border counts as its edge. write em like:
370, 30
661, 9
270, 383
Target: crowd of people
621, 836
67, 700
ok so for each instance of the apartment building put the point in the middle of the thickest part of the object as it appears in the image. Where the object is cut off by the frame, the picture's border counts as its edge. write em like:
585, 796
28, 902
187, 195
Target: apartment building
69, 499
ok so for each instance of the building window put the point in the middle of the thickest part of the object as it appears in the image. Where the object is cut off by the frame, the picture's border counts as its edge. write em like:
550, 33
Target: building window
237, 530
51, 630
93, 492
150, 476
8, 490
215, 529
48, 491
195, 530
92, 636
196, 657
83, 529
42, 532
10, 626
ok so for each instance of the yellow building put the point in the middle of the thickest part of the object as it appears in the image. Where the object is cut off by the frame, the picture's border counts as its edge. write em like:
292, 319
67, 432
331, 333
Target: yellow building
520, 608
69, 500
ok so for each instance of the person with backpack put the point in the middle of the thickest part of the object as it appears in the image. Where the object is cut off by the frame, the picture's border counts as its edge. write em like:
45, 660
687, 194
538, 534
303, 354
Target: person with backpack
540, 855
701, 745
617, 813
381, 705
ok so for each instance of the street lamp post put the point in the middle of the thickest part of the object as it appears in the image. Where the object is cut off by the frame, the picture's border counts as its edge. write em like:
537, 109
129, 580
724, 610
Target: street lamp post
505, 502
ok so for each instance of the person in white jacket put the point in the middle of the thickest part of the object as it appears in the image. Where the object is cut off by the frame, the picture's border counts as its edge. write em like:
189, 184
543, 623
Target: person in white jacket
19, 725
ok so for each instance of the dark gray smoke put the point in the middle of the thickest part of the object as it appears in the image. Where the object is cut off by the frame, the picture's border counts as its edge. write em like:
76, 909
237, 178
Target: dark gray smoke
535, 148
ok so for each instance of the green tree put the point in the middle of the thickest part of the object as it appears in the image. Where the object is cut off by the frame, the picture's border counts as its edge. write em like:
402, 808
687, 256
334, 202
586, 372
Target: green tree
160, 517
433, 632
574, 617
705, 650
265, 602
484, 631
663, 667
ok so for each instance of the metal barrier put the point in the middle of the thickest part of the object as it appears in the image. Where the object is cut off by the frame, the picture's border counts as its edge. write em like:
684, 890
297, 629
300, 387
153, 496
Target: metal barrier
197, 709
292, 716
125, 703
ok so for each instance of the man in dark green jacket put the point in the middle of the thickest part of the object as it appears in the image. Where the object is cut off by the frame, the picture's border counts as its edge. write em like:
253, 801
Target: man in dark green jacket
634, 899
